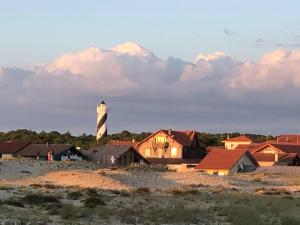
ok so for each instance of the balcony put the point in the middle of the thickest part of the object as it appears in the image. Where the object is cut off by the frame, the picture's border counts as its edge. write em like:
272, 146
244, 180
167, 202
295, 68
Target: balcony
160, 144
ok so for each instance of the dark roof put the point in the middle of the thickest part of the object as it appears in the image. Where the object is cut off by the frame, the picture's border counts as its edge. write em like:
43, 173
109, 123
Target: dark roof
32, 149
185, 137
223, 159
113, 150
12, 147
165, 161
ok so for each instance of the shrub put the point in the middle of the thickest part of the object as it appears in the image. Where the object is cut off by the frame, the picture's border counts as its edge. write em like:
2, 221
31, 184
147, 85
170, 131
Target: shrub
93, 202
142, 190
39, 199
92, 192
13, 202
75, 195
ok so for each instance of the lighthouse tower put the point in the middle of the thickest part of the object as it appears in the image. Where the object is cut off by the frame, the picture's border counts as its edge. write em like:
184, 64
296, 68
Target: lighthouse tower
101, 122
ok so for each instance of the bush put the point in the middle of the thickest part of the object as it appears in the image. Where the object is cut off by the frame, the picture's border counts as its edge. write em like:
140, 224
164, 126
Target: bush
93, 202
39, 199
143, 190
75, 195
14, 202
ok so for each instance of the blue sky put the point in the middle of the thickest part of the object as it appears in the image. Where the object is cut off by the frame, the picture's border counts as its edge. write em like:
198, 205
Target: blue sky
34, 31
218, 92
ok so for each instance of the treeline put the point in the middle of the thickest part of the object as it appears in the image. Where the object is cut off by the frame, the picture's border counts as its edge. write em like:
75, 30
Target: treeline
85, 141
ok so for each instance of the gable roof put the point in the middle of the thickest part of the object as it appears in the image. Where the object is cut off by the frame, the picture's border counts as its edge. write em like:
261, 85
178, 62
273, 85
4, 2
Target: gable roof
184, 137
267, 157
250, 147
12, 147
242, 138
284, 147
294, 138
32, 149
223, 159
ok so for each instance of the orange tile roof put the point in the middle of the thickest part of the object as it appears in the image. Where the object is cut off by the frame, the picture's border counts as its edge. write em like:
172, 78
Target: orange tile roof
250, 147
223, 159
242, 138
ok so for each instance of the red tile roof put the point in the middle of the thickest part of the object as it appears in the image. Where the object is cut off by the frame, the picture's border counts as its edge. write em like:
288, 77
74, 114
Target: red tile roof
223, 159
250, 147
242, 138
12, 147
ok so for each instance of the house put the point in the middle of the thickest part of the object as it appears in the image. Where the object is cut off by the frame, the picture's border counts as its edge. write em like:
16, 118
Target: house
288, 138
8, 149
232, 143
172, 147
115, 155
120, 142
287, 154
224, 162
60, 151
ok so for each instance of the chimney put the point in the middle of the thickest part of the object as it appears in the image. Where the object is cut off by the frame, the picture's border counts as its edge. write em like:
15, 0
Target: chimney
276, 156
228, 136
169, 132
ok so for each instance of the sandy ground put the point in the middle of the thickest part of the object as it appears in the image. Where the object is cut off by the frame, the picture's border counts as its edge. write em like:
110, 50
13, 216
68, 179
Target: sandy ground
25, 172
134, 196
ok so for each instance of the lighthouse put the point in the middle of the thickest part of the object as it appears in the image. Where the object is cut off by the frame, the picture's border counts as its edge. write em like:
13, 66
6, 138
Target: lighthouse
101, 122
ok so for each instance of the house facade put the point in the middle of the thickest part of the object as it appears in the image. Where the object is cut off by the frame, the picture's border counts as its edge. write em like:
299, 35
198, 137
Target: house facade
285, 154
232, 143
171, 146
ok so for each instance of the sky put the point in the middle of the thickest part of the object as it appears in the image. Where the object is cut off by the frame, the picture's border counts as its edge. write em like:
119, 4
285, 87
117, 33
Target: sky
214, 66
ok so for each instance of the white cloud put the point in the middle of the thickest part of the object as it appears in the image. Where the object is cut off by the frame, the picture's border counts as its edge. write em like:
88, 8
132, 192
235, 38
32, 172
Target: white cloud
212, 84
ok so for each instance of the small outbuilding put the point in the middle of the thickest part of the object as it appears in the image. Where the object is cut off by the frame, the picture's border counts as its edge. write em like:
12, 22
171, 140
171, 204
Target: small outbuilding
115, 155
224, 162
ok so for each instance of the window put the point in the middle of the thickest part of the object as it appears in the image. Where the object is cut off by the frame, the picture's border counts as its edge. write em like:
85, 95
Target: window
147, 152
173, 152
160, 139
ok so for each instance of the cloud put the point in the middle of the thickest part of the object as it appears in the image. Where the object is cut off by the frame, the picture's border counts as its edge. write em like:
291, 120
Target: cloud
215, 92
230, 32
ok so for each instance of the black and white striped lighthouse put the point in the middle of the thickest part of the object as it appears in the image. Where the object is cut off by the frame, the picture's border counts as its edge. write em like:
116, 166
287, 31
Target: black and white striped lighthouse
101, 122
